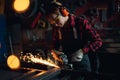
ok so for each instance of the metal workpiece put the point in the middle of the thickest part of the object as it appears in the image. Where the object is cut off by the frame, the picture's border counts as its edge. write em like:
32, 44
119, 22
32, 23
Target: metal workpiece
29, 74
48, 75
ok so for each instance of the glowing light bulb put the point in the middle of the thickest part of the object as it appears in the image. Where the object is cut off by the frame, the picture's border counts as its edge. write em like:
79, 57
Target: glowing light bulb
13, 62
21, 6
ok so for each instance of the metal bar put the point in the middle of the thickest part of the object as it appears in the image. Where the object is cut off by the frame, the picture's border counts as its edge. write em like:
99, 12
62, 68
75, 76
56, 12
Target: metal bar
31, 72
47, 75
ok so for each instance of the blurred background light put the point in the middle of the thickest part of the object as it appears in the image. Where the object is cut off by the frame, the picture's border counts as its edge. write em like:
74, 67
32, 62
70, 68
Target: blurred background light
20, 6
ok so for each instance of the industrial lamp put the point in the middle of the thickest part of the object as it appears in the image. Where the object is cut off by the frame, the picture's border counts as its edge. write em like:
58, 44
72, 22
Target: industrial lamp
21, 6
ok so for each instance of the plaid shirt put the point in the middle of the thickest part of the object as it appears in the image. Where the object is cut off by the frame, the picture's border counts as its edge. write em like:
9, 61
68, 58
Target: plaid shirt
87, 37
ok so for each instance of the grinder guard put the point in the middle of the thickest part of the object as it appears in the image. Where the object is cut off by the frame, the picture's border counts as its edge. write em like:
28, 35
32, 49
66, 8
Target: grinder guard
60, 59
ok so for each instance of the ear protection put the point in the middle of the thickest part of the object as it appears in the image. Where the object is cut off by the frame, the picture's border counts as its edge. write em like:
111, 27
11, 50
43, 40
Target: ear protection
64, 11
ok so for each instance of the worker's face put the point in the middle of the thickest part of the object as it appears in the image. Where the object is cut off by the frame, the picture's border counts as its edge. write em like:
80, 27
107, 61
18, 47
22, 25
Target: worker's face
57, 19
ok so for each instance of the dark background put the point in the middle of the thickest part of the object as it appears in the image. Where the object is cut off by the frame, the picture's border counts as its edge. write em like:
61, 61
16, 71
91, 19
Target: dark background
19, 32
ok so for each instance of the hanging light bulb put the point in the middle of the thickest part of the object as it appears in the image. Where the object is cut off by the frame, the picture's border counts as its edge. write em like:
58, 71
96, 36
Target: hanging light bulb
20, 6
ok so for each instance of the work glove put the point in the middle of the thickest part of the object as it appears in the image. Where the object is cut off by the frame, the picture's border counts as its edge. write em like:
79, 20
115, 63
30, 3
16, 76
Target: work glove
77, 56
